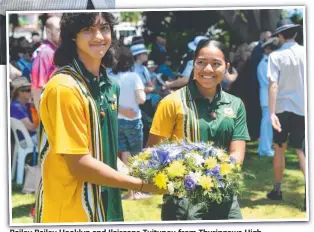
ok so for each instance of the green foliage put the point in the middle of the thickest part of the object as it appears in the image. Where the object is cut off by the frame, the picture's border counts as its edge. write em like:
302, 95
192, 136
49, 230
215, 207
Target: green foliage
133, 17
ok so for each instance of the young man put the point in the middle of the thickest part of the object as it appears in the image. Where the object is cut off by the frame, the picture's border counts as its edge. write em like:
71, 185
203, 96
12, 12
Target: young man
286, 100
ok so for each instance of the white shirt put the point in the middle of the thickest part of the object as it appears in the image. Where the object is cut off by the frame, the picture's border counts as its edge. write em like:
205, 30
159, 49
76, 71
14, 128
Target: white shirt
145, 76
286, 68
129, 82
263, 80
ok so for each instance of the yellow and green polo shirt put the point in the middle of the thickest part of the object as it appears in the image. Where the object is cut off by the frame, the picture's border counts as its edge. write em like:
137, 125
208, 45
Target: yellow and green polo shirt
186, 114
70, 124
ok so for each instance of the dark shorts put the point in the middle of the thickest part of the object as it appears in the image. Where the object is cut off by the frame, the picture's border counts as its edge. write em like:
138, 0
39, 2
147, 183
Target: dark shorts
293, 129
174, 209
131, 136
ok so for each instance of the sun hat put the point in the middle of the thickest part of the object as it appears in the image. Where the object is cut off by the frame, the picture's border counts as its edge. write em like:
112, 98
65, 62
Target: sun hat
138, 49
193, 44
283, 25
151, 64
272, 41
18, 83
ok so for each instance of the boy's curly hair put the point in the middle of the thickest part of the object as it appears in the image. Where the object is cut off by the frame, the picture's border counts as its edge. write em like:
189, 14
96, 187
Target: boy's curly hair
70, 25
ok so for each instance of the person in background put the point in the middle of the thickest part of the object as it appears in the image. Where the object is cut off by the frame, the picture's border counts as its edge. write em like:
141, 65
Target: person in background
286, 100
130, 135
21, 107
159, 49
266, 132
24, 63
42, 64
139, 53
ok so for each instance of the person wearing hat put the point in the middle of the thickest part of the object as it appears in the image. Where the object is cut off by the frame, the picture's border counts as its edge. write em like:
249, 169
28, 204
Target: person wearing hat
140, 54
266, 133
286, 100
21, 107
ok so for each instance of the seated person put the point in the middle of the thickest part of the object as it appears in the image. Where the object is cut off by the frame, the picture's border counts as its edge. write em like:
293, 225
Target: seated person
21, 107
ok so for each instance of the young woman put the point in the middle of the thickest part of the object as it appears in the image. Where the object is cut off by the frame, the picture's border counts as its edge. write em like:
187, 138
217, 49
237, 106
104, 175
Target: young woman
79, 137
201, 111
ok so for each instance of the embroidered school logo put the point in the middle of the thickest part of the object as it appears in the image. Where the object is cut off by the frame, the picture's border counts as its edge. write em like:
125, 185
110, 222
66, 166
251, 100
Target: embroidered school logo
114, 105
228, 112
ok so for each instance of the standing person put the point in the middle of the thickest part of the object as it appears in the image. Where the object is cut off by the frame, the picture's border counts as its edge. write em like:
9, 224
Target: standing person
130, 136
202, 111
42, 65
79, 109
159, 48
139, 53
266, 134
286, 100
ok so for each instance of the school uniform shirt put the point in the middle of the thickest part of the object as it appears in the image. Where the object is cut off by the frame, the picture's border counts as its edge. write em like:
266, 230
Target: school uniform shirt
286, 68
71, 124
185, 114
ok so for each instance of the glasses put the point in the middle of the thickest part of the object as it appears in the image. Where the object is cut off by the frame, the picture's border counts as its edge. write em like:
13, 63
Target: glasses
26, 90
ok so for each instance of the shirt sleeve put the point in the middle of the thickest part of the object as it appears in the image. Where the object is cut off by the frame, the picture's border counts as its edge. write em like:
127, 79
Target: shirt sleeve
17, 111
164, 119
273, 70
240, 130
138, 84
147, 75
42, 69
188, 69
65, 109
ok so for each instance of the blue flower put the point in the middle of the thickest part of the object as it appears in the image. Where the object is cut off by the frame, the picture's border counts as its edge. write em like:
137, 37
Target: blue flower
189, 183
179, 157
210, 152
213, 172
163, 156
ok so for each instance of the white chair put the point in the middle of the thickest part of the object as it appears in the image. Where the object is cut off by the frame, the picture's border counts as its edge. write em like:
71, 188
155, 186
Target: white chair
21, 149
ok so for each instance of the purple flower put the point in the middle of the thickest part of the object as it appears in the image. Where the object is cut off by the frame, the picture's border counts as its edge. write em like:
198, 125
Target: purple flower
232, 159
210, 152
153, 164
189, 183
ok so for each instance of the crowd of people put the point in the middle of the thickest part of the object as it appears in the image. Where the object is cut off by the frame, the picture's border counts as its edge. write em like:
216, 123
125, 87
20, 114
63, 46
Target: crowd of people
100, 101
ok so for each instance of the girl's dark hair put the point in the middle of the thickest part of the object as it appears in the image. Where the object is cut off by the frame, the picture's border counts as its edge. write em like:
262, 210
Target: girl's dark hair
289, 34
207, 43
70, 25
125, 60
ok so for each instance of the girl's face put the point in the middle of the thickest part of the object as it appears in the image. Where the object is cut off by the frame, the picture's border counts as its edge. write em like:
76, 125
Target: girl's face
209, 67
94, 41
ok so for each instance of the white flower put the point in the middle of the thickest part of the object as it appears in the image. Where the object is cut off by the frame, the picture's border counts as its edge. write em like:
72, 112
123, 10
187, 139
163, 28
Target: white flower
135, 164
174, 153
199, 160
170, 187
195, 176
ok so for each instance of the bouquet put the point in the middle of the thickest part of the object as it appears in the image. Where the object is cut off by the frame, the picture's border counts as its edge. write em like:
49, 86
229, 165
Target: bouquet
198, 171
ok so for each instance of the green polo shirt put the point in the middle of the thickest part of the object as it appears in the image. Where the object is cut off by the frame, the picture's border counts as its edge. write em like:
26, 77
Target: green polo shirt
106, 93
186, 114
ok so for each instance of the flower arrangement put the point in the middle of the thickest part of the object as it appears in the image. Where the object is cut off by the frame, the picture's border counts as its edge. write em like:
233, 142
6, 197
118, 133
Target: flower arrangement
198, 171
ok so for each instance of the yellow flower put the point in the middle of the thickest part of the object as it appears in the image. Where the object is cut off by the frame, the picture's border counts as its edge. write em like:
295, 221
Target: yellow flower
210, 163
206, 182
161, 180
176, 169
144, 155
226, 169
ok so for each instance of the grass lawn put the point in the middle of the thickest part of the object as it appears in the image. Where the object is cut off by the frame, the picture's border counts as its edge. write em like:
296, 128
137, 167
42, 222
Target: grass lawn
253, 202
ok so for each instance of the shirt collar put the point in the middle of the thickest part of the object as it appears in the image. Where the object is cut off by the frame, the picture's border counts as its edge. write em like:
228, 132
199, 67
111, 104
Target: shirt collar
219, 98
89, 77
50, 44
288, 44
